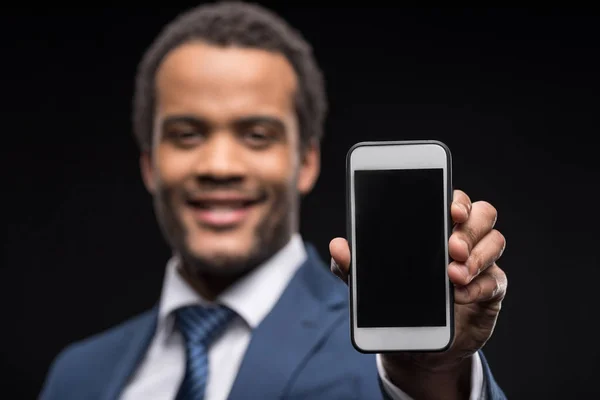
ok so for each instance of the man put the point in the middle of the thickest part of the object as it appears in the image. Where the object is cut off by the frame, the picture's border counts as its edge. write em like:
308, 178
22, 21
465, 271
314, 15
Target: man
229, 111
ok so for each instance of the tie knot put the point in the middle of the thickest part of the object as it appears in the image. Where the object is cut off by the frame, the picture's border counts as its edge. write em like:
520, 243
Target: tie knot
200, 325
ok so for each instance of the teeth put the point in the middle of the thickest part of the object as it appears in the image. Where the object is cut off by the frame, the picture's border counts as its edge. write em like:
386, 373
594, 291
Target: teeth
220, 205
222, 209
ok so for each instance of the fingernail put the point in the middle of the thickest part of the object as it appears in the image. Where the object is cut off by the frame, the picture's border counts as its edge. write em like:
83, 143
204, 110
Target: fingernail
462, 207
335, 268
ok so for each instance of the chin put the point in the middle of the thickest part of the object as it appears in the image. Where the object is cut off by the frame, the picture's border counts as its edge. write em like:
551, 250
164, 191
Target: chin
220, 255
234, 243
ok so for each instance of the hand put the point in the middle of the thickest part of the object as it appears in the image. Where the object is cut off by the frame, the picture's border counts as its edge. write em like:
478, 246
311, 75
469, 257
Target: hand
480, 287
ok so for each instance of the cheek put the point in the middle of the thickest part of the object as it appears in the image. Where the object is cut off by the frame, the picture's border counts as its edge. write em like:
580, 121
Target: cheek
172, 167
277, 168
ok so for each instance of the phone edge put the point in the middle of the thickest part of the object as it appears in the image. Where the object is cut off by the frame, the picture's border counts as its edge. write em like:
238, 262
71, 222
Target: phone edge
450, 194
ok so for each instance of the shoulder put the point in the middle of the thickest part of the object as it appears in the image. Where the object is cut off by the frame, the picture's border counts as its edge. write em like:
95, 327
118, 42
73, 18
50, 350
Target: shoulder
81, 363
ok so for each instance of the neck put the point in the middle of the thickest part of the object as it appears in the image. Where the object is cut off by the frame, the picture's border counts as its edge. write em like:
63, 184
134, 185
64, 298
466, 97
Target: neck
209, 286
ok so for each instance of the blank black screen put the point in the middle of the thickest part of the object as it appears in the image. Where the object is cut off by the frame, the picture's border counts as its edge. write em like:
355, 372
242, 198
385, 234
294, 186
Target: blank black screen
400, 248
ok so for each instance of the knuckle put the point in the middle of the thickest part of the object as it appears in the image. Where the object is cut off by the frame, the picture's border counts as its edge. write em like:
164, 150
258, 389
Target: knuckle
495, 286
469, 292
500, 281
462, 197
502, 278
480, 289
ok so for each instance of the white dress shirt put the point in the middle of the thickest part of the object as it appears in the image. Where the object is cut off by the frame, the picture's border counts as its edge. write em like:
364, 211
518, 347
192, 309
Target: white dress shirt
252, 298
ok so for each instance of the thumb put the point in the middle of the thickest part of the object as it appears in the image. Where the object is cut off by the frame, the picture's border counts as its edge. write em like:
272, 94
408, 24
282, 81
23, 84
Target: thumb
340, 258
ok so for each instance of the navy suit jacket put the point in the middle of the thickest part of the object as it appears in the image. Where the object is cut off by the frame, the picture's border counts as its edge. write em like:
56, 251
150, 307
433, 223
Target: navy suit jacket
301, 350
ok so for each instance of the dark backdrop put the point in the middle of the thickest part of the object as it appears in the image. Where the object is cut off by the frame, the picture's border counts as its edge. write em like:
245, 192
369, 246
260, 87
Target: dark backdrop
514, 94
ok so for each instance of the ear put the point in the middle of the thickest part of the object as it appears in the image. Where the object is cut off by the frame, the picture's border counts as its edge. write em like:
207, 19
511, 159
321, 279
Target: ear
147, 171
310, 167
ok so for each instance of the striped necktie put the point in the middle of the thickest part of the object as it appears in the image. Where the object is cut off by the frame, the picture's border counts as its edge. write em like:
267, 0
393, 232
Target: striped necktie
199, 326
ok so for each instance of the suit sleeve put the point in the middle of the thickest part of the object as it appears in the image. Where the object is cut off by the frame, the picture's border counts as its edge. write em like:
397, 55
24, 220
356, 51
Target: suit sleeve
483, 385
54, 387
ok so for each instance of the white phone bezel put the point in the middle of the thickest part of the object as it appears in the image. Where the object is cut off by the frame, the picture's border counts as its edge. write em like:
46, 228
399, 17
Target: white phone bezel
401, 155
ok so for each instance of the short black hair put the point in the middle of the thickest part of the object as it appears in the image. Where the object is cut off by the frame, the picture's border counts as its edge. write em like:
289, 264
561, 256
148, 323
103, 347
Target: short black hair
232, 23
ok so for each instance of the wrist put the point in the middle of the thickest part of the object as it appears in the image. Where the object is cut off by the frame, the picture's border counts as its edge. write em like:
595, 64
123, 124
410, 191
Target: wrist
429, 381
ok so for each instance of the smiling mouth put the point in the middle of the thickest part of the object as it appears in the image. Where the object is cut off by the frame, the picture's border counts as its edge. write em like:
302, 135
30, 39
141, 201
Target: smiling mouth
222, 211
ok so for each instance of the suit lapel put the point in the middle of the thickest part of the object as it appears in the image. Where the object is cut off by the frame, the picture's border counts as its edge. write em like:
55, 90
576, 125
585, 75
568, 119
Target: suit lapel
134, 347
301, 319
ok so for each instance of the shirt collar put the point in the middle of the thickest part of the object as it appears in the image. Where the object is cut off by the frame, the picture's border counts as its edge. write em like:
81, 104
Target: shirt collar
252, 297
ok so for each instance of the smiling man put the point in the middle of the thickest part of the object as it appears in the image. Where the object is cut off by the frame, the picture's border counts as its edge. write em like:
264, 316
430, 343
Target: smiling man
227, 169
229, 112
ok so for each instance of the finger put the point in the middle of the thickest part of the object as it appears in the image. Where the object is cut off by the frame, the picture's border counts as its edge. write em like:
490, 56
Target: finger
340, 258
461, 207
489, 287
484, 254
466, 235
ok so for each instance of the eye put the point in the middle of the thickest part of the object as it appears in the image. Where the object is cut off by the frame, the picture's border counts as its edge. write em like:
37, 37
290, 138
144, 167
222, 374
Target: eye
185, 137
258, 136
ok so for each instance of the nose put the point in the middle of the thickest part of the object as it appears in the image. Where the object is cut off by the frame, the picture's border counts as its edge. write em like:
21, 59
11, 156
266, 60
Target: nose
221, 158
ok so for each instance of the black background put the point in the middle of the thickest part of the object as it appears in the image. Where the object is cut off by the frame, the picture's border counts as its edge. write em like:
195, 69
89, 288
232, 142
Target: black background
514, 93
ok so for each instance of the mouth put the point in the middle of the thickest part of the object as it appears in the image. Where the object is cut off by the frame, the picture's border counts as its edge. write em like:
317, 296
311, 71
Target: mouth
223, 211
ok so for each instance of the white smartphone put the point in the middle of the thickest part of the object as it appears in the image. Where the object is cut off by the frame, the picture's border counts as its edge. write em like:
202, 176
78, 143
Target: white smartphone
399, 195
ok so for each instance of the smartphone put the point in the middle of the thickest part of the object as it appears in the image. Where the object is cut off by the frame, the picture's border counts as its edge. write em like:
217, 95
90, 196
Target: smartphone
399, 195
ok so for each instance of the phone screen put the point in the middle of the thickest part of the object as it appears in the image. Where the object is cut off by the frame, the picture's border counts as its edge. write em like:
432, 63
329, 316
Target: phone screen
400, 248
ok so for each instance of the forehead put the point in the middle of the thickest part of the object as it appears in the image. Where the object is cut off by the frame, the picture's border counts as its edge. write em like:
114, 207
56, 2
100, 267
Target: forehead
225, 82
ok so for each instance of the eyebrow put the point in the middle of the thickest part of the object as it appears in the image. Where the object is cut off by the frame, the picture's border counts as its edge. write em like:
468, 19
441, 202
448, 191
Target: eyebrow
240, 122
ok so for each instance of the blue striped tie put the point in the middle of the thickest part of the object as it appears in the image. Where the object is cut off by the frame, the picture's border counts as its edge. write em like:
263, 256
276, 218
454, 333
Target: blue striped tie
199, 326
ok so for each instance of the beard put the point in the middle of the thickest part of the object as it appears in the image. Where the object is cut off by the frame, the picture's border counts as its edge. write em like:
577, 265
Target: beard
270, 235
